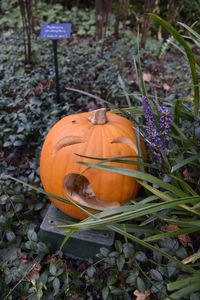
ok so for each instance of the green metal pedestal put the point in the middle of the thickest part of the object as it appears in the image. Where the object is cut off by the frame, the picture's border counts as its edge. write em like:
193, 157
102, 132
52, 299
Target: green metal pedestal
82, 245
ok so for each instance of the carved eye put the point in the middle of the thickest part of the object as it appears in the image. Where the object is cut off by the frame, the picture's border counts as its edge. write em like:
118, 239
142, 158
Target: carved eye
125, 140
67, 141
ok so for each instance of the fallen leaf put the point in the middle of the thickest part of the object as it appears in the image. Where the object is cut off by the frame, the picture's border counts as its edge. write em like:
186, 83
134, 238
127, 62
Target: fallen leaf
24, 262
146, 77
34, 274
43, 86
21, 254
166, 87
184, 239
171, 228
186, 174
22, 258
52, 259
142, 296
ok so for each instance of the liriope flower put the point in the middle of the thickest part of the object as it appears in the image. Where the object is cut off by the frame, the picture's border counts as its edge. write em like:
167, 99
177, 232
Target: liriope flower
165, 124
158, 138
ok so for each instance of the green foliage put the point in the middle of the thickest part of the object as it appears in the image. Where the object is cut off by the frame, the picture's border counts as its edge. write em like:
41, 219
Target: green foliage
145, 255
165, 46
189, 11
189, 54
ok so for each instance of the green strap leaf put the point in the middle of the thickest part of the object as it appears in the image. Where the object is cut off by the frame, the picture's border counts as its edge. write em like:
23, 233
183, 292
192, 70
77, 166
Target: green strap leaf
138, 175
170, 234
185, 162
172, 286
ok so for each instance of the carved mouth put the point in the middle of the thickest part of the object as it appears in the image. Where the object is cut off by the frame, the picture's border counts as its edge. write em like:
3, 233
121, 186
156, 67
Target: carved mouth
80, 190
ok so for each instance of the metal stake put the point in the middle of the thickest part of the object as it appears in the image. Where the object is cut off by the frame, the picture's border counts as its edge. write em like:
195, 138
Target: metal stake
56, 70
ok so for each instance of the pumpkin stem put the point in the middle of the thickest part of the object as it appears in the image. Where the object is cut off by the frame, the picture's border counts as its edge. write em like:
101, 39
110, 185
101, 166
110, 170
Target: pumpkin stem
98, 117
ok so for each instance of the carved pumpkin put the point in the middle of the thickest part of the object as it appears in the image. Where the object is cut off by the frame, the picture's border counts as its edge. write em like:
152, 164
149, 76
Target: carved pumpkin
93, 134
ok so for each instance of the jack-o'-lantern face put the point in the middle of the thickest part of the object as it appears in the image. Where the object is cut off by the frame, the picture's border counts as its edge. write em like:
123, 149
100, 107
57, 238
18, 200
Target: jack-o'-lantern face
97, 134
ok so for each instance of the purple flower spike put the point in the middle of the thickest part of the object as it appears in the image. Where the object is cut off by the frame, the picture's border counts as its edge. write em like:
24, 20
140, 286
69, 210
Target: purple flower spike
154, 137
158, 139
165, 124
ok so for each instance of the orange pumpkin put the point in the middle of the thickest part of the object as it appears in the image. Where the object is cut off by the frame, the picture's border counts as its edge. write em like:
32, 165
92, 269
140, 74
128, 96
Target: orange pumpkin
93, 134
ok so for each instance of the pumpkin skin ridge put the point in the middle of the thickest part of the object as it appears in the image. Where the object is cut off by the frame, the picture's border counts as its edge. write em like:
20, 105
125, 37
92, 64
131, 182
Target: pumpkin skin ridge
76, 126
141, 140
107, 155
130, 135
101, 139
104, 149
123, 135
118, 119
121, 187
126, 144
134, 167
137, 186
110, 155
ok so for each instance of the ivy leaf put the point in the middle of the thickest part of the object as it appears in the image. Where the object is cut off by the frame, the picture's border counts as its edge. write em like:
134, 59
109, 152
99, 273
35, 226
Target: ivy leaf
120, 262
90, 271
32, 236
118, 246
131, 279
156, 275
10, 236
171, 268
140, 284
112, 279
105, 292
56, 285
104, 251
7, 144
18, 143
52, 269
141, 256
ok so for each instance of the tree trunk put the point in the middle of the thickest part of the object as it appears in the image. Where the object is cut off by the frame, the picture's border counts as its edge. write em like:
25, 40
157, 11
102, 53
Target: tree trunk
122, 14
148, 7
173, 5
117, 20
98, 8
103, 9
22, 10
172, 9
77, 7
29, 27
26, 14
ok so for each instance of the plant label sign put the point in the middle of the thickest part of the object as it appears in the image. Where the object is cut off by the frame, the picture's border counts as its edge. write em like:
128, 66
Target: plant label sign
55, 31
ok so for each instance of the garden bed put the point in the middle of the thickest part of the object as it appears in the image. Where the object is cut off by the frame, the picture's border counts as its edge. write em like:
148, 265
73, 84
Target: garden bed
29, 109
